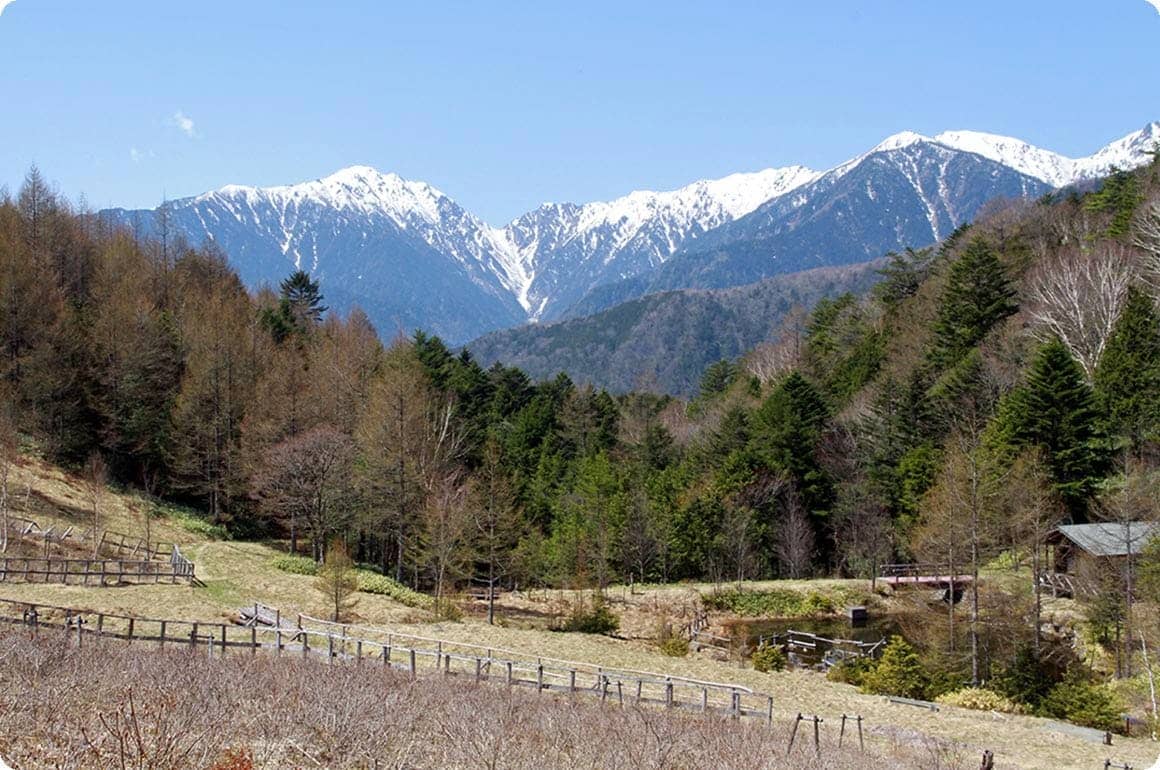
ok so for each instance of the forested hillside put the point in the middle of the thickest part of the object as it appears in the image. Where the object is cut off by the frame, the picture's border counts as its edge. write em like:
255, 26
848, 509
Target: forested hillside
665, 341
1026, 344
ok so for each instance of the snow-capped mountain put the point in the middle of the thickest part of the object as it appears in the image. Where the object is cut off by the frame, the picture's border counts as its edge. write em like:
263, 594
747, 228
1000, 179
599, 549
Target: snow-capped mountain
575, 248
411, 257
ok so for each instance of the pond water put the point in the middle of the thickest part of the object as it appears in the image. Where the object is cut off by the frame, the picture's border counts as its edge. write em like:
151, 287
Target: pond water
748, 633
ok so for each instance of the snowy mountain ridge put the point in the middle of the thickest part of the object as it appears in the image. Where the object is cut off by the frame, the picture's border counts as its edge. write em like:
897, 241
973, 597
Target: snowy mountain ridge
357, 228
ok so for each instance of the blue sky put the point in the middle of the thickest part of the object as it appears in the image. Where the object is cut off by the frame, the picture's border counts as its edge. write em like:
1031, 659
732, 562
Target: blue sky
504, 105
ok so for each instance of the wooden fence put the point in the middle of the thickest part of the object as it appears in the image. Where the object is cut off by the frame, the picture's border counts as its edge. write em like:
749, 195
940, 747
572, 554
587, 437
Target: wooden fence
97, 572
829, 651
417, 655
111, 544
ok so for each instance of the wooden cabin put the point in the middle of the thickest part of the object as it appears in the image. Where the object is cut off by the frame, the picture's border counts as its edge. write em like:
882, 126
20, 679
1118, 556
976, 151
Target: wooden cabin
1081, 557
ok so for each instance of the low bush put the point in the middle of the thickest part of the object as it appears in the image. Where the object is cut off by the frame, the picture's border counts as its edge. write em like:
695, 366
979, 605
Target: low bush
674, 647
374, 583
852, 671
192, 523
981, 699
774, 603
899, 672
768, 657
1083, 702
295, 565
597, 620
368, 582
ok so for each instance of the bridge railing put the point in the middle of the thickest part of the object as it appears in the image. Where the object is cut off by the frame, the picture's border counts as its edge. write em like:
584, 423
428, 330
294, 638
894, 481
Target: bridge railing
918, 569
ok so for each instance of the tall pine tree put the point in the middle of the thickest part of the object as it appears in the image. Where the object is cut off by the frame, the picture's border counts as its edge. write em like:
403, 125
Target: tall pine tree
1056, 411
1127, 379
977, 296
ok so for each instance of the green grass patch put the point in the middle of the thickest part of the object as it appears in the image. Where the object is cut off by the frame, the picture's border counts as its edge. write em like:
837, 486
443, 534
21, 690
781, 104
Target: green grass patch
192, 522
369, 582
773, 603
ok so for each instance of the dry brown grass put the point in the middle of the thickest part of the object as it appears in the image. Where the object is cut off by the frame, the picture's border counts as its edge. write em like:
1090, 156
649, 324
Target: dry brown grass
237, 573
107, 705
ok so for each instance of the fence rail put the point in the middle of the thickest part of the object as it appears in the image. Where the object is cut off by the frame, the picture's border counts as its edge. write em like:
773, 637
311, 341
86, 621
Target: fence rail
109, 543
98, 572
417, 655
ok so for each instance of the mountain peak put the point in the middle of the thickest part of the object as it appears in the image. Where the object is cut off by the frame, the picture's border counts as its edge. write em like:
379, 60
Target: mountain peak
898, 141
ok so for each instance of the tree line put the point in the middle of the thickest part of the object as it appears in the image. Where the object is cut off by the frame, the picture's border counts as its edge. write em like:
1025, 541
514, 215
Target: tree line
890, 426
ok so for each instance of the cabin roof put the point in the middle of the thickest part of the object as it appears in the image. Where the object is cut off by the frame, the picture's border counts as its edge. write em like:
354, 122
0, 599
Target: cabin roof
1108, 538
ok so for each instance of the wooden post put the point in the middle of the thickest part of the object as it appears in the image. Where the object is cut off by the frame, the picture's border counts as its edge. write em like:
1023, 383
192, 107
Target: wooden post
253, 640
305, 640
603, 688
193, 636
278, 642
540, 678
130, 629
861, 746
619, 693
413, 663
639, 685
100, 623
817, 743
224, 647
704, 699
842, 731
571, 680
387, 652
668, 692
163, 634
509, 673
330, 648
736, 704
358, 652
478, 668
769, 711
793, 733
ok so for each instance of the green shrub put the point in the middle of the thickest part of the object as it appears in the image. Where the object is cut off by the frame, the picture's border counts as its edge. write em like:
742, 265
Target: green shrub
1081, 701
192, 523
981, 699
597, 620
774, 603
899, 672
852, 671
368, 582
374, 583
1026, 678
768, 657
295, 565
674, 646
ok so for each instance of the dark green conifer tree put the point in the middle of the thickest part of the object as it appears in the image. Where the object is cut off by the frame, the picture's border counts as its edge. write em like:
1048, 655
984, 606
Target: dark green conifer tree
1127, 379
977, 296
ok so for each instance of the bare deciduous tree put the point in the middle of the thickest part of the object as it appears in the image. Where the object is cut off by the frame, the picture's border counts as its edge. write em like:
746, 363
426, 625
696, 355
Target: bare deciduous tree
1077, 297
795, 543
1146, 237
95, 475
447, 530
305, 480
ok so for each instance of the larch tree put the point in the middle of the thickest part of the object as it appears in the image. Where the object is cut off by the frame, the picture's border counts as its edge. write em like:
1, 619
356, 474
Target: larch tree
337, 581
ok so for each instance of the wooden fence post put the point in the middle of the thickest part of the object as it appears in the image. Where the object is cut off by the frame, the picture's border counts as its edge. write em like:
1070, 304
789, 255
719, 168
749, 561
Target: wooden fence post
413, 672
130, 629
769, 711
571, 680
735, 704
540, 678
668, 692
253, 640
163, 634
193, 636
509, 673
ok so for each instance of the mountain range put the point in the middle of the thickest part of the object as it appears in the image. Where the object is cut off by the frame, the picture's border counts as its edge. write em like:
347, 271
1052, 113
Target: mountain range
411, 257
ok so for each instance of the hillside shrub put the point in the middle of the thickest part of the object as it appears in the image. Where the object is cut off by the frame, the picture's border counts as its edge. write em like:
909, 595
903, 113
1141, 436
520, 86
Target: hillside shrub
598, 619
1079, 700
671, 643
899, 672
1026, 678
192, 523
368, 582
774, 603
374, 583
981, 699
852, 671
768, 657
295, 565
